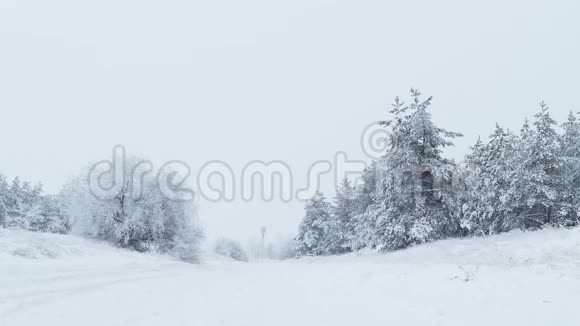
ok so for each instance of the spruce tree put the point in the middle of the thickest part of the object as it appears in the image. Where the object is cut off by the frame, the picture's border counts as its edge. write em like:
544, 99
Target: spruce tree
313, 228
538, 185
340, 229
2, 214
3, 194
490, 167
47, 216
417, 181
570, 147
362, 223
15, 209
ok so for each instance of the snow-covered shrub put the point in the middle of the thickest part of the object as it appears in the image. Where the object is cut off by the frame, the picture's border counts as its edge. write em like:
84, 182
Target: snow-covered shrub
287, 250
279, 248
143, 219
230, 248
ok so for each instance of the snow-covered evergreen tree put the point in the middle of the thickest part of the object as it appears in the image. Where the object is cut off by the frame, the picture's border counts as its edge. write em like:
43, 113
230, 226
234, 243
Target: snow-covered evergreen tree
339, 230
3, 194
570, 146
15, 210
537, 184
2, 214
26, 207
46, 215
417, 181
490, 207
313, 228
362, 224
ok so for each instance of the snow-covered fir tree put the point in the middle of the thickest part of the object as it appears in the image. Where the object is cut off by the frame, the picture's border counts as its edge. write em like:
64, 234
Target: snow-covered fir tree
14, 202
313, 228
339, 230
361, 223
415, 204
570, 147
537, 184
3, 194
2, 214
26, 207
490, 168
47, 216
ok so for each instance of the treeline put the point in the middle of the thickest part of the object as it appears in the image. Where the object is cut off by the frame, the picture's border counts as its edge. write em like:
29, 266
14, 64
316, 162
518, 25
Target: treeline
413, 194
24, 206
147, 221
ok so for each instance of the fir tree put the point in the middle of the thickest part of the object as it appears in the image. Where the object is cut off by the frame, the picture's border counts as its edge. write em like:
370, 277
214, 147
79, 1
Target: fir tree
313, 228
47, 216
570, 147
15, 209
362, 224
538, 185
3, 194
490, 169
414, 205
2, 214
340, 229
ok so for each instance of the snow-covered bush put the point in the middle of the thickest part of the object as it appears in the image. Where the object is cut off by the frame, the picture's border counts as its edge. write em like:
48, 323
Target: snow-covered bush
287, 250
230, 248
278, 248
143, 219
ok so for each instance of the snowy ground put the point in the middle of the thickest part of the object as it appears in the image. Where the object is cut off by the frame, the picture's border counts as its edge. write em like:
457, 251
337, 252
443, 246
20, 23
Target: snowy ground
514, 279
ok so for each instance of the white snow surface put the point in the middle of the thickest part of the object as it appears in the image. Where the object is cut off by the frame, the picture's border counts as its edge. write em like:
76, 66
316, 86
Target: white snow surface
512, 279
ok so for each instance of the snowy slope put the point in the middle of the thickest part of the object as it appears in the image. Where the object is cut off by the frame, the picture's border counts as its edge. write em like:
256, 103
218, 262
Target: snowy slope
513, 279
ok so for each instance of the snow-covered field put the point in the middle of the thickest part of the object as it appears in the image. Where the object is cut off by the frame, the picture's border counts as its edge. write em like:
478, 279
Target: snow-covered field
513, 279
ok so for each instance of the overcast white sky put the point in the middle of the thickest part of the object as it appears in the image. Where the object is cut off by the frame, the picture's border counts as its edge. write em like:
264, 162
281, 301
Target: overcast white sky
261, 80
